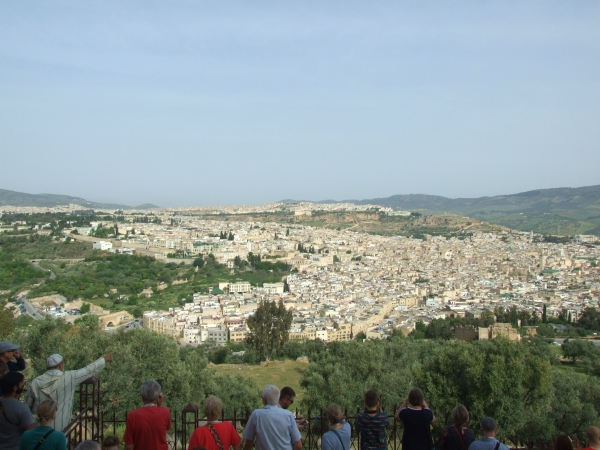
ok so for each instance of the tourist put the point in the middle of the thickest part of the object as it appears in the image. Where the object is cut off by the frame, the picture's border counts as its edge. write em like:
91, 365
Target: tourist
457, 436
372, 423
562, 442
10, 351
489, 428
338, 436
60, 385
111, 443
272, 427
417, 419
87, 445
215, 435
15, 417
593, 436
44, 433
286, 399
146, 427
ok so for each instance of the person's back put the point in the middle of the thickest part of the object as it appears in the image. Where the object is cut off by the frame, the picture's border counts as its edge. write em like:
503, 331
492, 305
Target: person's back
372, 423
59, 385
489, 428
44, 433
275, 428
272, 427
207, 435
456, 436
340, 432
146, 427
15, 417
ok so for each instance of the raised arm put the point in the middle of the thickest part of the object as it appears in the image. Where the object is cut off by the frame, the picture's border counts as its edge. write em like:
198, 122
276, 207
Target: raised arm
79, 376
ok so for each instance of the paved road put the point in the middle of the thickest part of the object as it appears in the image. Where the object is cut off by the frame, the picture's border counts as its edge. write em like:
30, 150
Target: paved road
35, 264
593, 341
31, 310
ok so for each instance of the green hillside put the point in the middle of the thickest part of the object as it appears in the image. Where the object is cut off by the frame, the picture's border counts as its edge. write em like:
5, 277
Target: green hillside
564, 211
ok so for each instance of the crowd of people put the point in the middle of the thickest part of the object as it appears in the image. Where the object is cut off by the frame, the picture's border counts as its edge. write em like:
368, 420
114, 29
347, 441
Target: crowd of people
39, 421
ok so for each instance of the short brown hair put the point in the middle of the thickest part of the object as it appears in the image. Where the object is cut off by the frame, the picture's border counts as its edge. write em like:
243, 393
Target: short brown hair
371, 398
213, 407
111, 441
287, 392
460, 416
415, 397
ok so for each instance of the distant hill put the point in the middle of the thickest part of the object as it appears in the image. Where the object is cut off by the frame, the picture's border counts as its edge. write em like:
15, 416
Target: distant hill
564, 211
12, 198
146, 206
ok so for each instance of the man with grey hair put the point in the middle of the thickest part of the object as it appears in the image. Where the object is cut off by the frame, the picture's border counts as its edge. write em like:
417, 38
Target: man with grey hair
146, 427
272, 427
88, 445
489, 428
59, 385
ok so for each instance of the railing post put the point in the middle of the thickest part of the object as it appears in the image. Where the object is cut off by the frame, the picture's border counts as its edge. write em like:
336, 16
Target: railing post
358, 434
310, 425
395, 430
189, 408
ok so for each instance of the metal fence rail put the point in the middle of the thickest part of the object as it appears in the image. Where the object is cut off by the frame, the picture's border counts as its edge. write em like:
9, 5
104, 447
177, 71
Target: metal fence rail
93, 423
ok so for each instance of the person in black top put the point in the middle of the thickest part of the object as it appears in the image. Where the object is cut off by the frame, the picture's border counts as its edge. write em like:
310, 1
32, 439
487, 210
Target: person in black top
457, 436
417, 419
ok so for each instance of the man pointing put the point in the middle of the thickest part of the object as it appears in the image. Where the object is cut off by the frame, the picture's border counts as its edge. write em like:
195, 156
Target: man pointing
59, 385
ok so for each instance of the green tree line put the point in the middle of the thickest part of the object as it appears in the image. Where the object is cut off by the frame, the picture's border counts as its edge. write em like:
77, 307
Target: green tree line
139, 355
519, 384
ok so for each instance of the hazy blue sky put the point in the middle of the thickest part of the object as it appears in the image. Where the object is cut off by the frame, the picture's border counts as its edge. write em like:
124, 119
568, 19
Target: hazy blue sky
219, 102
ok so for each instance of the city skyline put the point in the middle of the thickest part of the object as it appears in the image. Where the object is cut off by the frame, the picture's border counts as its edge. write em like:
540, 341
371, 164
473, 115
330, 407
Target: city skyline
212, 104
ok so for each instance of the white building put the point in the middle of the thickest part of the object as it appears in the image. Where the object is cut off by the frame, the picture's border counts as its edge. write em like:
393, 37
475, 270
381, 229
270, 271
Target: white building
240, 286
273, 288
101, 245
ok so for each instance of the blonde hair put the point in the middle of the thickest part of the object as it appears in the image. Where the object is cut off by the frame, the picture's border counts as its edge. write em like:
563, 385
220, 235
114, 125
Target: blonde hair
46, 410
213, 407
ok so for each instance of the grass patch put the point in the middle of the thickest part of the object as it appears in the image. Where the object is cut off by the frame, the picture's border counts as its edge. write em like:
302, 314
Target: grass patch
279, 373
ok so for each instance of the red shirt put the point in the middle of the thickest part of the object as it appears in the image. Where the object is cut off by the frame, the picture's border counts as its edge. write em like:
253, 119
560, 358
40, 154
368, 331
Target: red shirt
147, 428
203, 437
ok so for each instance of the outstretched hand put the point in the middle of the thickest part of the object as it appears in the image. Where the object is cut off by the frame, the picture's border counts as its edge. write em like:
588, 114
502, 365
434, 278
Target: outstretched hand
108, 357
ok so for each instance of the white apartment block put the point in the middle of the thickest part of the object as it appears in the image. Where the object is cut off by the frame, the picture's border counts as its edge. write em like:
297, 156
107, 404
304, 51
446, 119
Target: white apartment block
273, 288
101, 245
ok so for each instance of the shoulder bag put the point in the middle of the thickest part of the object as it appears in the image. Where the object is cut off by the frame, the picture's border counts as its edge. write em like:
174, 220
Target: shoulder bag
42, 440
216, 436
462, 439
339, 437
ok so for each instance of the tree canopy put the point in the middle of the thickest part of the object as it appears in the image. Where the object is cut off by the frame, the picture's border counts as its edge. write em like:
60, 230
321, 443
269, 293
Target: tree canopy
269, 328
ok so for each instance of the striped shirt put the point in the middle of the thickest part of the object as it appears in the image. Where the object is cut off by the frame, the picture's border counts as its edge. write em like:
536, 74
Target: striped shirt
60, 387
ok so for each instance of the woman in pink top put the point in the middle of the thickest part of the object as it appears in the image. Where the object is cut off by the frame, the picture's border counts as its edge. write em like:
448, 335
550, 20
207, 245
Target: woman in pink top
215, 435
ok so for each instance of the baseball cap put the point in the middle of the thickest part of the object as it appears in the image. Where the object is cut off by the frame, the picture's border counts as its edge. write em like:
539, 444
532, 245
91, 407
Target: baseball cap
6, 346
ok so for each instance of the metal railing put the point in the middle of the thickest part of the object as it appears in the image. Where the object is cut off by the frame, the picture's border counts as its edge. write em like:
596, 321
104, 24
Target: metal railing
93, 423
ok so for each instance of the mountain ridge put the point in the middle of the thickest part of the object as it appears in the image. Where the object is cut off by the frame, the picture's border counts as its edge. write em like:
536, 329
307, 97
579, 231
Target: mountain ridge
562, 210
14, 198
